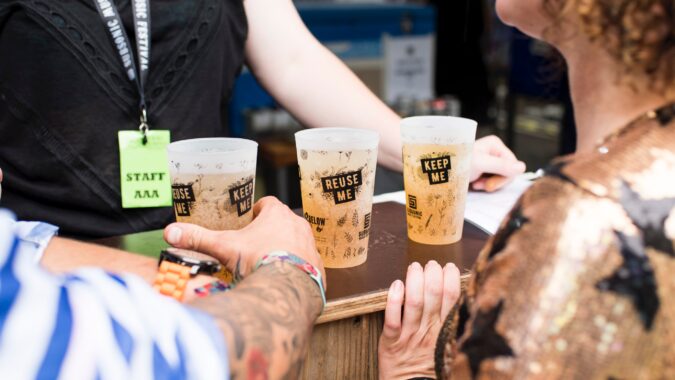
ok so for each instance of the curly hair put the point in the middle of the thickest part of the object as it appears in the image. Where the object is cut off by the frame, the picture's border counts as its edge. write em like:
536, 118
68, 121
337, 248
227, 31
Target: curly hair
640, 34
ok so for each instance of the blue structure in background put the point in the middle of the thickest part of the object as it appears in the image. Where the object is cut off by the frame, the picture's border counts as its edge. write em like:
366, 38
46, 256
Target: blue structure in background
359, 29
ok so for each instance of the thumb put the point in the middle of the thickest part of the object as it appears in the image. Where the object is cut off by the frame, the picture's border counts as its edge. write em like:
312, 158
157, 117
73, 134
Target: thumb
196, 238
497, 165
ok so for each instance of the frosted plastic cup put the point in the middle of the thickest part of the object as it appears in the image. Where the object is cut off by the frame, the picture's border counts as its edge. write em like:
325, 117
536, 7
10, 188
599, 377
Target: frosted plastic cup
213, 181
337, 178
436, 169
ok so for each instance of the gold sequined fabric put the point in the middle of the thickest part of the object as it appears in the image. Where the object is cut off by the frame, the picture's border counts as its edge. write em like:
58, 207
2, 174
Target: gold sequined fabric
579, 282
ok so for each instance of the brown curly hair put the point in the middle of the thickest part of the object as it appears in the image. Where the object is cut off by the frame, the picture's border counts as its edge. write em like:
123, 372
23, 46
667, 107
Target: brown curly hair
638, 33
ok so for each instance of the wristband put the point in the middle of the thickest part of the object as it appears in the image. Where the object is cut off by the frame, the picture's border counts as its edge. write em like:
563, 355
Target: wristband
299, 263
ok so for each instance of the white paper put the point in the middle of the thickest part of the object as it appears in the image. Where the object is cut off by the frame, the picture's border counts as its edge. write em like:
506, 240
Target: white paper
409, 67
485, 210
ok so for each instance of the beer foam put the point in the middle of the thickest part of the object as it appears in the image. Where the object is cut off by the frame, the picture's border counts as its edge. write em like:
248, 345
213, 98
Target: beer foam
212, 155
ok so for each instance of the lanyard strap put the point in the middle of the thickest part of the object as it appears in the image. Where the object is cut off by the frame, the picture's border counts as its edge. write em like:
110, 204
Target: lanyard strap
111, 18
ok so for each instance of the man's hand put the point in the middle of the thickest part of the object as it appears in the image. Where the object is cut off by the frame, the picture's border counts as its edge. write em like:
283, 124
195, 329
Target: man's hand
407, 343
492, 158
274, 228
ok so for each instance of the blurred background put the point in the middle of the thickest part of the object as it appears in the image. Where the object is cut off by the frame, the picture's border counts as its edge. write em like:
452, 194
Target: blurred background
444, 57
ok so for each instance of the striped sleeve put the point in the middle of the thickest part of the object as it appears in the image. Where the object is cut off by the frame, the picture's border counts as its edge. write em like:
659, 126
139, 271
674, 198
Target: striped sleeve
92, 325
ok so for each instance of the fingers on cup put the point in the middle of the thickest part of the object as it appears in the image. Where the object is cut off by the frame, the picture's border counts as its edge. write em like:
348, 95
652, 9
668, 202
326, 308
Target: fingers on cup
265, 204
392, 312
193, 237
451, 288
414, 298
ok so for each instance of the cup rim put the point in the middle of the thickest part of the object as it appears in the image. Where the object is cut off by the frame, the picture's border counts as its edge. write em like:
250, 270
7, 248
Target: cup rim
368, 139
243, 145
412, 121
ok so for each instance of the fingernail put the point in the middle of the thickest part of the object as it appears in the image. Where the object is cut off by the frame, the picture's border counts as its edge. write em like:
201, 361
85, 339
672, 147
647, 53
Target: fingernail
398, 286
519, 166
416, 265
173, 237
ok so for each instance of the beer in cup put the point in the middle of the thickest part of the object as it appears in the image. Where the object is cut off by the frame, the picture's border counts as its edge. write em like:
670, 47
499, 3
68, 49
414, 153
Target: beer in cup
436, 169
213, 181
337, 178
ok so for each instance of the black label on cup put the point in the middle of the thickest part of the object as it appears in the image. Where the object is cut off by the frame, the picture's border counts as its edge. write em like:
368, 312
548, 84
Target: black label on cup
437, 169
320, 223
242, 196
183, 196
366, 227
343, 186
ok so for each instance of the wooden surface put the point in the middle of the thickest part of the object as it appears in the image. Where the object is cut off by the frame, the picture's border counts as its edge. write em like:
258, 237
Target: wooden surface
344, 342
362, 289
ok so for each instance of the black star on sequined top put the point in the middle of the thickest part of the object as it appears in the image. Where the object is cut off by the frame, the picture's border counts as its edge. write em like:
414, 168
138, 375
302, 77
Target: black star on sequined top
485, 342
650, 217
634, 279
516, 221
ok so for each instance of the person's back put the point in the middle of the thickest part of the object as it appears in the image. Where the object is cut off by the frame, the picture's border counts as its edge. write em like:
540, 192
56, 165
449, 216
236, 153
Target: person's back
577, 283
579, 278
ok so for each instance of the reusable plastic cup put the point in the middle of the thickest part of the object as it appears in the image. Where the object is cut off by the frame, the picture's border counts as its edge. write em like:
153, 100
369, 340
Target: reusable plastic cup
436, 169
213, 181
337, 178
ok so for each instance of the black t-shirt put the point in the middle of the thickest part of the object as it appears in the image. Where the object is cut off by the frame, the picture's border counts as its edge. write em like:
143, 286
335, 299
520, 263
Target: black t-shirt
64, 96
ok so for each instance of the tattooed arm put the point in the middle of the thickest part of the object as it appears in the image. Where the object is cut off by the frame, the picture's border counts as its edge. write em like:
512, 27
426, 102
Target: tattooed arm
267, 321
268, 318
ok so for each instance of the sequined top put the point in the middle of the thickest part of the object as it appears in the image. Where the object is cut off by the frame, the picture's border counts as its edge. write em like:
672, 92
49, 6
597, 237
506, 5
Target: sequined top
576, 283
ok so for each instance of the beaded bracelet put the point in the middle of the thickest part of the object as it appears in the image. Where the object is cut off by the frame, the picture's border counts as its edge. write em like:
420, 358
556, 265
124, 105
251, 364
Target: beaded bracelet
212, 288
299, 263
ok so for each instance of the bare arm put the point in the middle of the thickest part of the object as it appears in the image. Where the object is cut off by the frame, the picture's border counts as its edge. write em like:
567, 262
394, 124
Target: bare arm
64, 255
320, 91
309, 81
267, 321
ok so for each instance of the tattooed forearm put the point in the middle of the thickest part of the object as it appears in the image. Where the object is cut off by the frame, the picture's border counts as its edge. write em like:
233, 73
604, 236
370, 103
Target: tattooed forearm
267, 321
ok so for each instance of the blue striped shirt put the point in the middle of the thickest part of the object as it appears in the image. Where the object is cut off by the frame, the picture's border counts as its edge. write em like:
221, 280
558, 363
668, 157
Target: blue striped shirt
94, 325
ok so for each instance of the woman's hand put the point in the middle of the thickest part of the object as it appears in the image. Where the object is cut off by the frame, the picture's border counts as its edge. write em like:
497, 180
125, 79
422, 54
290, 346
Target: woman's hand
407, 343
493, 165
274, 228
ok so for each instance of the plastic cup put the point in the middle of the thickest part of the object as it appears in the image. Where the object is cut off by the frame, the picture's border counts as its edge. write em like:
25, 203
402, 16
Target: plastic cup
337, 179
213, 181
436, 168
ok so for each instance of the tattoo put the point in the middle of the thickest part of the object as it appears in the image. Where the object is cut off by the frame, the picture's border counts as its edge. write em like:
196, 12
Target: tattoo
267, 321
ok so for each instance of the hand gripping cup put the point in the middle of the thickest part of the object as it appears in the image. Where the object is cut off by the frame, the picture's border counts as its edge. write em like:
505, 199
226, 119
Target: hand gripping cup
213, 181
436, 166
337, 178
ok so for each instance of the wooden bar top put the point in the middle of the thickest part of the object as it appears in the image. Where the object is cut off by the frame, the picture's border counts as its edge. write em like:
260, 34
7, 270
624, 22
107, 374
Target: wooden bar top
363, 289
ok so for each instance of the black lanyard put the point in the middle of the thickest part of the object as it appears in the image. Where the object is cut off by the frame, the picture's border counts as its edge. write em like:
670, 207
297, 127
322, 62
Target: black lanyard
111, 18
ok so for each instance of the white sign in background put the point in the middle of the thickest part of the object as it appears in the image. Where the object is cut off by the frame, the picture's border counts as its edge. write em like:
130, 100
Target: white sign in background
409, 67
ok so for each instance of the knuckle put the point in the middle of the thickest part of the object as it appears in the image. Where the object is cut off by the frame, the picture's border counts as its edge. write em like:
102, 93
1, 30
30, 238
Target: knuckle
414, 302
435, 289
392, 326
493, 139
195, 238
